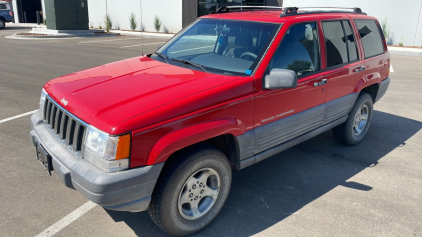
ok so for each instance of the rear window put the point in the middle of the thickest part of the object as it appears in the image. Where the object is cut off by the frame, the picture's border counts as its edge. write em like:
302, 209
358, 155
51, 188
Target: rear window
351, 43
335, 43
3, 7
371, 38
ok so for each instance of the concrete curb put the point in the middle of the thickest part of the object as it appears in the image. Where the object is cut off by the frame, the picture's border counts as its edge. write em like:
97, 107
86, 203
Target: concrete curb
405, 51
142, 34
41, 37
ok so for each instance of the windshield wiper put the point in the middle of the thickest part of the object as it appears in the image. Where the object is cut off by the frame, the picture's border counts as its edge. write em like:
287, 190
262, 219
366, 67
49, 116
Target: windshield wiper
163, 56
190, 63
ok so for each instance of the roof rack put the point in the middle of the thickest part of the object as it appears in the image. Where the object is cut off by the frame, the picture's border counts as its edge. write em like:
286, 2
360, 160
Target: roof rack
290, 10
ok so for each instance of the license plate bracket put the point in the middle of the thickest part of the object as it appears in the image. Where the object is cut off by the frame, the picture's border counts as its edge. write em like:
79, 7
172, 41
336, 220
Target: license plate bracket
44, 158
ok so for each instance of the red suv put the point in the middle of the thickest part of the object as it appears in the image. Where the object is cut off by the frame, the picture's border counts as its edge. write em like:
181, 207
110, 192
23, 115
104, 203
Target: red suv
162, 132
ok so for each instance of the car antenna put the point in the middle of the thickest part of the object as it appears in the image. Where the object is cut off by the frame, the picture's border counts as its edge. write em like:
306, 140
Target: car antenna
142, 31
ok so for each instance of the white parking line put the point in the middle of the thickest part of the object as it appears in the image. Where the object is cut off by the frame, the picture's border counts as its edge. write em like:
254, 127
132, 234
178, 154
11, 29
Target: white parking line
98, 41
65, 221
140, 45
391, 68
17, 116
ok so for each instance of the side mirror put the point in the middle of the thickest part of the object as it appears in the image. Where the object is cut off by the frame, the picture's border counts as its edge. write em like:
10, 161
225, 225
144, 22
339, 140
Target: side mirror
159, 47
280, 79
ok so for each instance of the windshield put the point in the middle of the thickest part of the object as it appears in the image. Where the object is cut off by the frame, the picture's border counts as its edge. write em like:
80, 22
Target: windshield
219, 46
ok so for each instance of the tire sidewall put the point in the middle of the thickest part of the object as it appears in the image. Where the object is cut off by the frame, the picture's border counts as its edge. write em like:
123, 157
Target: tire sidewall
171, 217
4, 24
363, 99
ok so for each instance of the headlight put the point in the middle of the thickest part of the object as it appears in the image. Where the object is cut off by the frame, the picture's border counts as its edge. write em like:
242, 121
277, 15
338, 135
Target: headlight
109, 153
42, 100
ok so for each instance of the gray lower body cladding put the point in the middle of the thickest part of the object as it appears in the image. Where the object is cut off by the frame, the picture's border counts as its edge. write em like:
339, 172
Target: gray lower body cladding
272, 138
382, 88
128, 190
284, 146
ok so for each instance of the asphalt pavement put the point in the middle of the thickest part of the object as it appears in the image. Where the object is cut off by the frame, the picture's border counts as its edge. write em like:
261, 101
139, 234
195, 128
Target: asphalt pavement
318, 188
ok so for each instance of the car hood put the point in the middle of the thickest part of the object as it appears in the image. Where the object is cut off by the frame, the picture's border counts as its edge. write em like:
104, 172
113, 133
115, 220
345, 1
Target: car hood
110, 94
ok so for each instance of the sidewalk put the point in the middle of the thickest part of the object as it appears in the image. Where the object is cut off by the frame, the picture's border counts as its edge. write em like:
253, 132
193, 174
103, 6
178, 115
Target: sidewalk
405, 51
25, 25
142, 34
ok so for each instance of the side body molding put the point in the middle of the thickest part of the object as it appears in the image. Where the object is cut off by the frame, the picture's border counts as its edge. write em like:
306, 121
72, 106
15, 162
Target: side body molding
267, 140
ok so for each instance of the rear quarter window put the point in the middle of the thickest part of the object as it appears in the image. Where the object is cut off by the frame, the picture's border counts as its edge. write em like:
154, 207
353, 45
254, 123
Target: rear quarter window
371, 37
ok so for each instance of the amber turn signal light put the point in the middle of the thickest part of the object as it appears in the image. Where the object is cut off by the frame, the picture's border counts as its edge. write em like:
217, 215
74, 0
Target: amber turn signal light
123, 147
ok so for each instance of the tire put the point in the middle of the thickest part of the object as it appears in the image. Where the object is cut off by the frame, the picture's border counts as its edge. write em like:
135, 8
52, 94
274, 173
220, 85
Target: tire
182, 180
356, 126
2, 24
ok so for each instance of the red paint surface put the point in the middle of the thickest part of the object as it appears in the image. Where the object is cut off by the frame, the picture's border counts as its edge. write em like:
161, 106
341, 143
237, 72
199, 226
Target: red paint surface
168, 107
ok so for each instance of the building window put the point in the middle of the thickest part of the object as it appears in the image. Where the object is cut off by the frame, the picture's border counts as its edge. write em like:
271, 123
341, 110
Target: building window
205, 7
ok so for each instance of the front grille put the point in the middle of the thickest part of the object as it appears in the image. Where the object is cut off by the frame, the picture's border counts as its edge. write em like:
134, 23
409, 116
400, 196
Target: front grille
68, 129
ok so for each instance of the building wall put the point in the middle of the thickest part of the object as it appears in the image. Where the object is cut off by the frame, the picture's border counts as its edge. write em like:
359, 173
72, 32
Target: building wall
403, 17
169, 12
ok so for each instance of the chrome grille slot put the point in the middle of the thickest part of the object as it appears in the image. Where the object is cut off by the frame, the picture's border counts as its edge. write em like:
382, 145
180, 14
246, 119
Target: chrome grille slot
49, 112
67, 128
71, 128
45, 108
64, 126
58, 121
53, 117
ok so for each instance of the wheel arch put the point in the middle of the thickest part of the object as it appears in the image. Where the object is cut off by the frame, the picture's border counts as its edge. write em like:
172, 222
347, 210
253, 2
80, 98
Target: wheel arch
372, 90
219, 133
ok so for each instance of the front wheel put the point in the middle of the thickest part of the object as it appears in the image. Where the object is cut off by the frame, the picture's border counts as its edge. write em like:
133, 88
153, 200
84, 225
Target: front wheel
356, 126
191, 191
2, 23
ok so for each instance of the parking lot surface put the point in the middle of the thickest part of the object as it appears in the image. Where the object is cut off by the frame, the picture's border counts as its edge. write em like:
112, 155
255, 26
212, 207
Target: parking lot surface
318, 188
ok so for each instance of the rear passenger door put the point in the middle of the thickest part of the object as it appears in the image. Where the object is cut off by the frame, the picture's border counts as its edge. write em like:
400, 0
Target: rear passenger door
376, 60
283, 114
344, 67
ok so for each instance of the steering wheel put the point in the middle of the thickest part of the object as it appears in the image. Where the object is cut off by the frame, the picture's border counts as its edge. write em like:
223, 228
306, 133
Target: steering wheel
250, 54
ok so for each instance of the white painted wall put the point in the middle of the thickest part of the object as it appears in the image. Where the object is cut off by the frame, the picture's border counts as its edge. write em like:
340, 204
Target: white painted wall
169, 12
15, 11
402, 16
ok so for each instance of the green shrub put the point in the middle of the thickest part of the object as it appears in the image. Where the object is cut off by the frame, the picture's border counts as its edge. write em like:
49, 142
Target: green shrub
108, 22
385, 28
142, 27
165, 29
133, 23
157, 23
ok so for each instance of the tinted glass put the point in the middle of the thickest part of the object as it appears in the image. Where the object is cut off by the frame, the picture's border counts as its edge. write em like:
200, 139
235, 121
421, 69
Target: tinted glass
351, 43
221, 46
3, 6
371, 38
299, 50
335, 43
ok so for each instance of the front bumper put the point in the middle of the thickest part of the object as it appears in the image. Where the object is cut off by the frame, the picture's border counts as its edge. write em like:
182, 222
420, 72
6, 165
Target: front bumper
128, 190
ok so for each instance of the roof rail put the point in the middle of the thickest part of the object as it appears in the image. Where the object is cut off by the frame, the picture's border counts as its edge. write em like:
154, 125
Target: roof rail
226, 9
334, 9
290, 10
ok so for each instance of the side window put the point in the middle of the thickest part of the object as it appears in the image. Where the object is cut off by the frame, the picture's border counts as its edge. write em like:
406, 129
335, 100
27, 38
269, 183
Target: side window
335, 43
351, 43
371, 38
299, 50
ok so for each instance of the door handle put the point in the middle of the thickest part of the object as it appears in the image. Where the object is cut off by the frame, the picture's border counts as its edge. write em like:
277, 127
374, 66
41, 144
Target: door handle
320, 83
360, 69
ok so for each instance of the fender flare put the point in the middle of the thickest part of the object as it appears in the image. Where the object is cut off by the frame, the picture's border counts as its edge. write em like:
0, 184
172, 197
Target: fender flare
184, 137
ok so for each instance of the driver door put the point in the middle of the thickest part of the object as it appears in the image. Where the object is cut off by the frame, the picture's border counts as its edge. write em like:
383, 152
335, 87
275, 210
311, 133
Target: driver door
283, 114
